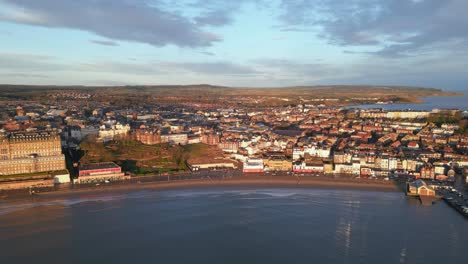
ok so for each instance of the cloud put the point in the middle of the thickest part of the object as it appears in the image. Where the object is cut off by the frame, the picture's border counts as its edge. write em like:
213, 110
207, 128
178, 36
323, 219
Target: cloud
104, 42
279, 38
119, 67
295, 69
29, 62
23, 75
167, 68
214, 18
221, 12
6, 33
42, 64
125, 20
207, 53
396, 27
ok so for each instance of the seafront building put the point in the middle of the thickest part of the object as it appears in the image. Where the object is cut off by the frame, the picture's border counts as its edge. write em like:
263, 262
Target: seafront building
253, 166
306, 138
99, 172
30, 152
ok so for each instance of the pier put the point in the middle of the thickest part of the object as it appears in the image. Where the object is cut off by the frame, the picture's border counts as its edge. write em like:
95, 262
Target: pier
428, 200
421, 190
456, 200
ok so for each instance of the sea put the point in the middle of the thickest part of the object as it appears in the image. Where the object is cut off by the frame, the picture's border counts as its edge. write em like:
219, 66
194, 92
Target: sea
429, 103
232, 225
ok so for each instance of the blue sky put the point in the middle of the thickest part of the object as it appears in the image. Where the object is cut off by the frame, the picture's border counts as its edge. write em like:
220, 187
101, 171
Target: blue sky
245, 43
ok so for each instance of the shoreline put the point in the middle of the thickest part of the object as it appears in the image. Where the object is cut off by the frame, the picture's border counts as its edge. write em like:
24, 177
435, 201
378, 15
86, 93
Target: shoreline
416, 100
233, 182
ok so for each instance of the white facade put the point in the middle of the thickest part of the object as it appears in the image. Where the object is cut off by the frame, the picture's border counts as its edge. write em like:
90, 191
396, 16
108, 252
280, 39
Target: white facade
108, 134
181, 139
307, 168
313, 151
407, 114
392, 164
62, 178
344, 168
253, 165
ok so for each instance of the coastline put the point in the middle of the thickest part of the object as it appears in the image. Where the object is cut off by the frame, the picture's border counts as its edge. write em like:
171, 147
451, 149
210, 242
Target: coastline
422, 103
232, 182
420, 99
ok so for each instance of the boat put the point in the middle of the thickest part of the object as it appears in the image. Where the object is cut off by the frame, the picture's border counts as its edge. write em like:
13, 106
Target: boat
455, 204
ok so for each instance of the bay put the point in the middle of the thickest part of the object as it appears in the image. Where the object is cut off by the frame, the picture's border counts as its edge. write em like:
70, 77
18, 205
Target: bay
430, 103
232, 225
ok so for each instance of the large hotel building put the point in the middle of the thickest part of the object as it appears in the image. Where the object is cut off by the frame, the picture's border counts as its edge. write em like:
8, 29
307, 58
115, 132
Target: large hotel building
30, 152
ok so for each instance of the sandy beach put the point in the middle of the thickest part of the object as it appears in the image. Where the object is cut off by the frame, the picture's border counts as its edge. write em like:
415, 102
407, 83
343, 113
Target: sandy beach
230, 182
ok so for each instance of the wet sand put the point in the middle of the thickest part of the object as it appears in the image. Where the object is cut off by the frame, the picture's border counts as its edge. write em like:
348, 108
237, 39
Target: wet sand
242, 181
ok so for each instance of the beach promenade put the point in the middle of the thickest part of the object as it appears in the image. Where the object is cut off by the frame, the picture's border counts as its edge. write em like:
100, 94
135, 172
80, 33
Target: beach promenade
207, 180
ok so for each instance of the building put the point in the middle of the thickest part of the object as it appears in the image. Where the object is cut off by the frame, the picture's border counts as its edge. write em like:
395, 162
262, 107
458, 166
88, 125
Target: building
407, 114
148, 137
175, 139
340, 157
210, 139
30, 152
277, 164
253, 165
344, 168
427, 172
309, 166
367, 172
229, 147
99, 172
328, 167
72, 133
210, 164
108, 134
195, 139
313, 151
61, 178
419, 188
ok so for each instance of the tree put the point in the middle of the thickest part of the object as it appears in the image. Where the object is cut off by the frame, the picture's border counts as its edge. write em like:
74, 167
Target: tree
180, 156
94, 151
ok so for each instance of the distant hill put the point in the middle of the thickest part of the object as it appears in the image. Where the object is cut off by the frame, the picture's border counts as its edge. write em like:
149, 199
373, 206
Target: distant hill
346, 94
212, 89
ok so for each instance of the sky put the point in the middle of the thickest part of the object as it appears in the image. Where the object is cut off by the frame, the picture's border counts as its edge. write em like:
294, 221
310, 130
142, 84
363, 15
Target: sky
241, 43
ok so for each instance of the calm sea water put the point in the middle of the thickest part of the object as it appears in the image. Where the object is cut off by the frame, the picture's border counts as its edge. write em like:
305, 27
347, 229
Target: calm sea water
440, 102
233, 226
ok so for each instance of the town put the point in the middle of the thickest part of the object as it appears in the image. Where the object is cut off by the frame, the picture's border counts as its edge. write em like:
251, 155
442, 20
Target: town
81, 141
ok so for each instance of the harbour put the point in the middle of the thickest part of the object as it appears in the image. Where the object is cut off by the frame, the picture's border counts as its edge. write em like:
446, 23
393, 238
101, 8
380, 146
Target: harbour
432, 191
457, 201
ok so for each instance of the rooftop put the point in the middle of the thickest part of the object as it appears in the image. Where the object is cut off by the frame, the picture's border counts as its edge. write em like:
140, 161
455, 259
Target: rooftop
97, 166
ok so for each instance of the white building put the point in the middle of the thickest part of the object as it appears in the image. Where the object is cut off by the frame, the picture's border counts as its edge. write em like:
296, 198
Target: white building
311, 167
253, 165
175, 139
344, 168
407, 114
108, 134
